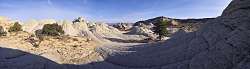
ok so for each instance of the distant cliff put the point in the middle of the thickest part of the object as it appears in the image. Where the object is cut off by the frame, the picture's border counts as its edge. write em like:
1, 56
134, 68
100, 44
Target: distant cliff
184, 24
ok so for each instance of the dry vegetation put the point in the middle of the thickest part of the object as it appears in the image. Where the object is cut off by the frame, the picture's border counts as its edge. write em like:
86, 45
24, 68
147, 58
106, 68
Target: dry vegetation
62, 49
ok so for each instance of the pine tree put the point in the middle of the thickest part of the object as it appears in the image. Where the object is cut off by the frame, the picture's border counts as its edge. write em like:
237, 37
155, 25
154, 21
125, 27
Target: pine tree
160, 29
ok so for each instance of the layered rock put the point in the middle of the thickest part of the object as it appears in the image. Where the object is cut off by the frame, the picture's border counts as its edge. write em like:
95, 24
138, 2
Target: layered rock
109, 32
222, 43
69, 29
106, 29
86, 29
141, 31
81, 26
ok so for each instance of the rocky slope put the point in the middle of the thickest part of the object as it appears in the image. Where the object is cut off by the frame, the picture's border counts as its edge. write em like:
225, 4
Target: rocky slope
65, 49
146, 27
123, 26
188, 25
76, 46
222, 43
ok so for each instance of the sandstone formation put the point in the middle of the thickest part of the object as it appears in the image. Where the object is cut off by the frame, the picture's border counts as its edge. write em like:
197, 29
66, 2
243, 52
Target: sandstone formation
123, 26
222, 43
69, 29
84, 30
188, 25
31, 26
103, 32
6, 23
141, 31
97, 32
106, 30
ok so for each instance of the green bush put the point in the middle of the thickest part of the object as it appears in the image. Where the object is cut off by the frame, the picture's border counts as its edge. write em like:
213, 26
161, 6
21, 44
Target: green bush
2, 32
16, 27
52, 30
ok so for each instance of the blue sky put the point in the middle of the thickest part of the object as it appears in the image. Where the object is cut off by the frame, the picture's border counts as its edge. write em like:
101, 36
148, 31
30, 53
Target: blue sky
111, 10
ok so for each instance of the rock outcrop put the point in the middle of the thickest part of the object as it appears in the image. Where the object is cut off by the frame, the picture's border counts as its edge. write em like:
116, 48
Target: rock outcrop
69, 29
123, 26
31, 26
141, 31
83, 30
222, 43
6, 23
188, 25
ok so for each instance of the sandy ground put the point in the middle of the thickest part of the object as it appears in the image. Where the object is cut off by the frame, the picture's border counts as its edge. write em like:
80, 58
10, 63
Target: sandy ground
70, 50
66, 50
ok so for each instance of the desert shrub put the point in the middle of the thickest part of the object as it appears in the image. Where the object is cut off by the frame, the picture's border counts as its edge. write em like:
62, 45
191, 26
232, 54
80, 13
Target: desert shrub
2, 32
16, 27
52, 30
